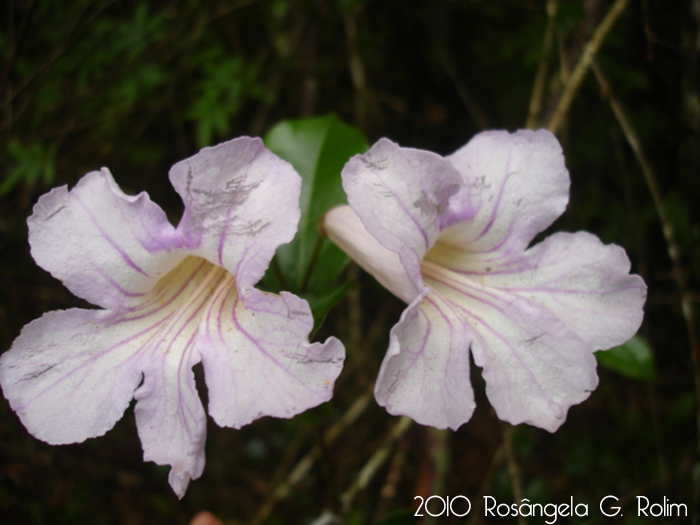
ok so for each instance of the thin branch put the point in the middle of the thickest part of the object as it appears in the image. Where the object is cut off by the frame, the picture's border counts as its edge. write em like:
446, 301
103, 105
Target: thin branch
354, 310
667, 227
486, 486
538, 88
374, 463
589, 53
392, 480
312, 263
513, 467
73, 28
304, 465
440, 457
478, 115
357, 70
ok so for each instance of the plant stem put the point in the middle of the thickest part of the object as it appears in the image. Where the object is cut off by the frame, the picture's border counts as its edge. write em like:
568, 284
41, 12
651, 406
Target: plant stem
668, 232
375, 462
312, 263
589, 53
513, 467
357, 69
304, 465
538, 88
476, 515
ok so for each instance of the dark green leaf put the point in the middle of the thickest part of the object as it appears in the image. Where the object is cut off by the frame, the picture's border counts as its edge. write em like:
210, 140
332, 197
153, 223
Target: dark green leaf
322, 304
633, 359
318, 148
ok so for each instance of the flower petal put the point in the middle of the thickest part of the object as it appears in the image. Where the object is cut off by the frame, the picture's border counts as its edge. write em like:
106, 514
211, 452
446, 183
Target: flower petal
583, 282
67, 377
344, 228
169, 415
104, 245
71, 375
425, 373
400, 194
257, 359
534, 366
520, 184
241, 203
170, 418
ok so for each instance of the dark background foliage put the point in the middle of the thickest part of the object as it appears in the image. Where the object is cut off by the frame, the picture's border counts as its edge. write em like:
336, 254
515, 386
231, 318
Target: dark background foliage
137, 85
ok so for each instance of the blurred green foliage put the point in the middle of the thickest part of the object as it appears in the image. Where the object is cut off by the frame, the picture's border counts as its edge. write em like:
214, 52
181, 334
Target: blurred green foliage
31, 165
633, 359
138, 85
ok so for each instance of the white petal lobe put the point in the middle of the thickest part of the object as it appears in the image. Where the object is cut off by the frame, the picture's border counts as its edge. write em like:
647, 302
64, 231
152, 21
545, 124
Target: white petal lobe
520, 186
56, 360
425, 374
400, 194
257, 361
534, 366
105, 246
241, 203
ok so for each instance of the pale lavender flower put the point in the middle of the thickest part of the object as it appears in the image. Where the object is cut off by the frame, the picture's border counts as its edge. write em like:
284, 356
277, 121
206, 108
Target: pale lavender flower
450, 237
170, 298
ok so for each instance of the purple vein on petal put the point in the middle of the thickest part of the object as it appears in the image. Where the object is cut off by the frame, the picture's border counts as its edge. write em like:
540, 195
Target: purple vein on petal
259, 346
111, 281
127, 221
222, 289
158, 294
420, 352
196, 303
405, 210
442, 276
469, 314
501, 191
222, 236
100, 354
111, 241
155, 328
183, 364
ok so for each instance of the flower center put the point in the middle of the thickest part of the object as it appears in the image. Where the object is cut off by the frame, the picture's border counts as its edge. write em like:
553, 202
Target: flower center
443, 255
170, 313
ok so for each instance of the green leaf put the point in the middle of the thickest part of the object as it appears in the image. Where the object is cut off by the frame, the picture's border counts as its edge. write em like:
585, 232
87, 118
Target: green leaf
322, 304
318, 148
634, 359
